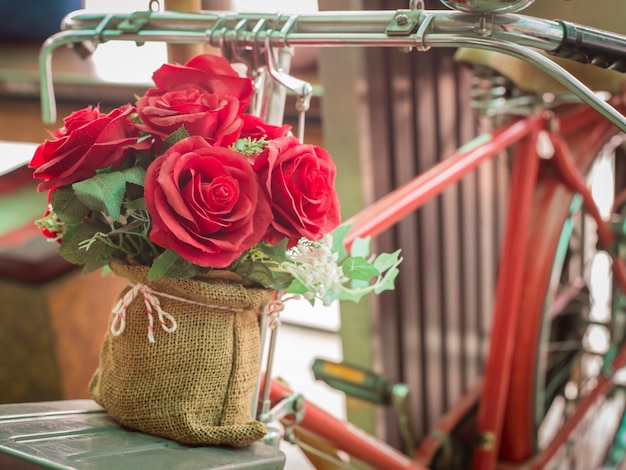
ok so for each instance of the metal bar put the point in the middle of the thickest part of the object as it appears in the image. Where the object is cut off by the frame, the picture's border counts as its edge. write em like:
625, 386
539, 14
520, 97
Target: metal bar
543, 63
394, 206
506, 309
347, 437
508, 33
344, 29
252, 31
356, 28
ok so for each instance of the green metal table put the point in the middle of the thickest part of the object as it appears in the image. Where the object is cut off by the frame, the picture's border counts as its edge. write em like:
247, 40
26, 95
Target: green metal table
78, 434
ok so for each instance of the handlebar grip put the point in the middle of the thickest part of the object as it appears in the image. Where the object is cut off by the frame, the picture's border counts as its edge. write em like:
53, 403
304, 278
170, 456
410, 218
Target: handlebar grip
592, 46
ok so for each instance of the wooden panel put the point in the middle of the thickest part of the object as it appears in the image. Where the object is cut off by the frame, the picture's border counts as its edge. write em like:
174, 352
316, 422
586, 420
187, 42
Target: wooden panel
433, 328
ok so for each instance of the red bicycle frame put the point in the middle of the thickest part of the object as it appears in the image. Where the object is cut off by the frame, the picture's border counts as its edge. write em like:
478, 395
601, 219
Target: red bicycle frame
513, 271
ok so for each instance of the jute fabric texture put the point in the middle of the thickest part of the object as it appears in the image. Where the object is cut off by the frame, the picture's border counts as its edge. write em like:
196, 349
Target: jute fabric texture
194, 385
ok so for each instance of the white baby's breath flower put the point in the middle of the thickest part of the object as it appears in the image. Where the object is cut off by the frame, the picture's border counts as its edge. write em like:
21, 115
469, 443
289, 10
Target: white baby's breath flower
314, 264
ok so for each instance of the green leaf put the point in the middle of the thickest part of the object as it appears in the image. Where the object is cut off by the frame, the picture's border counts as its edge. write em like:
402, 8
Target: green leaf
135, 175
258, 272
359, 268
169, 264
281, 281
182, 269
277, 253
67, 207
139, 204
161, 264
353, 296
387, 282
339, 234
176, 136
261, 274
249, 146
297, 288
93, 265
143, 159
384, 261
360, 247
359, 284
99, 253
105, 192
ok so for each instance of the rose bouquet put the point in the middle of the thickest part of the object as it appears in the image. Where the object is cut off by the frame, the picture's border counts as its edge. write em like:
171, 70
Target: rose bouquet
207, 211
185, 181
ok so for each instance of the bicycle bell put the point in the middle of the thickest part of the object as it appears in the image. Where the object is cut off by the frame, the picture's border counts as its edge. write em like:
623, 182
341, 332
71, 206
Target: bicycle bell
487, 6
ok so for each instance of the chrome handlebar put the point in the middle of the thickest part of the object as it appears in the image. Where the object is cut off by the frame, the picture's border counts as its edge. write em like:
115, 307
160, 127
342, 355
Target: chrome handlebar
247, 37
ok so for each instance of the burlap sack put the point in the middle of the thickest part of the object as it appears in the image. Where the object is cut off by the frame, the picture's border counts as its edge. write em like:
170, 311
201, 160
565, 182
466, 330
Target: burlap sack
194, 385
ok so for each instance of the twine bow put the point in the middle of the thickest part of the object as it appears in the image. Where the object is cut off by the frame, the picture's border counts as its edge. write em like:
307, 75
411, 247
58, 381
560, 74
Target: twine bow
152, 304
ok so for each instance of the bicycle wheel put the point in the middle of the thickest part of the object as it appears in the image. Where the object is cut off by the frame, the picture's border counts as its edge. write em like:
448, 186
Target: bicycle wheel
568, 322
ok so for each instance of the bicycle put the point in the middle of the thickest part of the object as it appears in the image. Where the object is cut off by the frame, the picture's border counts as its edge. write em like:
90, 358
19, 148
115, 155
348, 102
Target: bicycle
499, 422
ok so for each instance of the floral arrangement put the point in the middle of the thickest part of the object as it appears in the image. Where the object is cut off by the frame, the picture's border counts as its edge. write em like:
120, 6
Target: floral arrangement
185, 181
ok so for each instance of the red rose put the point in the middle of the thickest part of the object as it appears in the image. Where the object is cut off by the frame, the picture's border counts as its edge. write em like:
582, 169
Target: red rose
206, 203
209, 72
255, 128
76, 120
211, 116
88, 141
299, 181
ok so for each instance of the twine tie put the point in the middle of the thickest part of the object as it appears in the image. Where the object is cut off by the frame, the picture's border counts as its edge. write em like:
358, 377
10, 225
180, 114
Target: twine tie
273, 309
152, 303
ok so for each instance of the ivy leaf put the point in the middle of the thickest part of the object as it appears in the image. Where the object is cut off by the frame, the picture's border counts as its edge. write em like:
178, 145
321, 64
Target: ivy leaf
360, 247
353, 296
170, 264
384, 261
339, 234
67, 207
387, 263
359, 284
105, 192
176, 136
359, 268
387, 282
